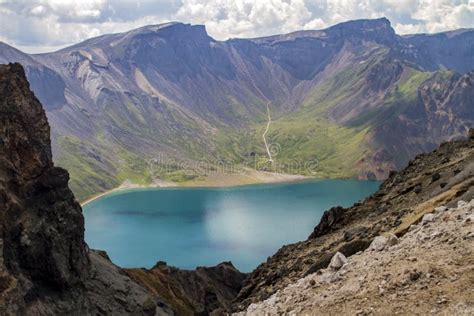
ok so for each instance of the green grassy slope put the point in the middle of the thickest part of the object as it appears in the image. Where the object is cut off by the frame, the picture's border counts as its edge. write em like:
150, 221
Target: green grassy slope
308, 142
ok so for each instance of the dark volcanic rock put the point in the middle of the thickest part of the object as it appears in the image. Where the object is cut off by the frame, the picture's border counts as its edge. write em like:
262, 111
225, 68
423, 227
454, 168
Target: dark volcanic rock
329, 218
42, 224
197, 292
45, 267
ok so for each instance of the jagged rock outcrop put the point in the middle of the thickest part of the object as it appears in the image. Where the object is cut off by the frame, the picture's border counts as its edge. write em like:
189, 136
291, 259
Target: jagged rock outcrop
42, 227
35, 194
45, 265
442, 177
202, 291
328, 220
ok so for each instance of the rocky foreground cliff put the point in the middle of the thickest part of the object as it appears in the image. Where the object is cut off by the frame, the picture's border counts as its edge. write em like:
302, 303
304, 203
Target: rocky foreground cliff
46, 267
430, 269
442, 177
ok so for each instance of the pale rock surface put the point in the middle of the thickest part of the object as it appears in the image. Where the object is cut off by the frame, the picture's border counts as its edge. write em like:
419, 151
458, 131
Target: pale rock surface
427, 219
379, 243
337, 261
429, 270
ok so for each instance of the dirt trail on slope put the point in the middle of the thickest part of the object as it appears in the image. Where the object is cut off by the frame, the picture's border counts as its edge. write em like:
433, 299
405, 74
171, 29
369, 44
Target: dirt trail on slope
270, 159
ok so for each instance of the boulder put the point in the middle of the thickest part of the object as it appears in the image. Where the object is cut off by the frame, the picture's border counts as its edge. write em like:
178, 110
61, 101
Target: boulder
427, 218
441, 209
383, 242
354, 232
391, 240
337, 261
378, 244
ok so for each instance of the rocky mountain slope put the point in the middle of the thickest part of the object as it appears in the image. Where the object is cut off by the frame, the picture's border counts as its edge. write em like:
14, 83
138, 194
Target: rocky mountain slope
198, 292
430, 269
46, 267
173, 95
440, 178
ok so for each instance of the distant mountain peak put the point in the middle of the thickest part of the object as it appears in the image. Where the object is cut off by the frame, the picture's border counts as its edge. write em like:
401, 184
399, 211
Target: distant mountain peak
377, 29
364, 24
381, 25
172, 27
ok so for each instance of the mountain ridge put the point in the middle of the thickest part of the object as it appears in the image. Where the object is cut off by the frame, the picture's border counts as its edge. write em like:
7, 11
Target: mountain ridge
173, 93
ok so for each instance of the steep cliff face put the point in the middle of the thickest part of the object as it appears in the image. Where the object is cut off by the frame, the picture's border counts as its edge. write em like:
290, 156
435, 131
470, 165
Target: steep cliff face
42, 225
440, 109
413, 120
45, 265
452, 50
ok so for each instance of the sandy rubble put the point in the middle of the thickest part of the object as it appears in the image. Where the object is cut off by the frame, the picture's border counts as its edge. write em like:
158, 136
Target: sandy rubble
429, 270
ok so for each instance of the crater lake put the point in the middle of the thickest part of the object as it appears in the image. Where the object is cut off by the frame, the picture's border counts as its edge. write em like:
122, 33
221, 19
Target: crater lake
190, 227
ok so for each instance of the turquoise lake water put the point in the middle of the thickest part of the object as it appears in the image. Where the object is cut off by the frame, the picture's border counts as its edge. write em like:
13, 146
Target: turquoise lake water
190, 227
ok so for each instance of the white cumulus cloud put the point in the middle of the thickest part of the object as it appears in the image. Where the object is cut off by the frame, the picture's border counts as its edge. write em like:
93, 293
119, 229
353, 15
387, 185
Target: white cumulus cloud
245, 18
45, 24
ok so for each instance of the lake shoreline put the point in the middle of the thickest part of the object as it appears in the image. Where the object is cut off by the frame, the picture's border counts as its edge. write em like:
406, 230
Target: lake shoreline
265, 178
123, 187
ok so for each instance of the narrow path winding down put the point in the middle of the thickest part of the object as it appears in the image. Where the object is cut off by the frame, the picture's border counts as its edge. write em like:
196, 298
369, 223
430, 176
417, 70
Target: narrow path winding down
265, 133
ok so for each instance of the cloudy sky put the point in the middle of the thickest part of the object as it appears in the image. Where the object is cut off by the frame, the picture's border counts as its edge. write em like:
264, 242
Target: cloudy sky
45, 25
